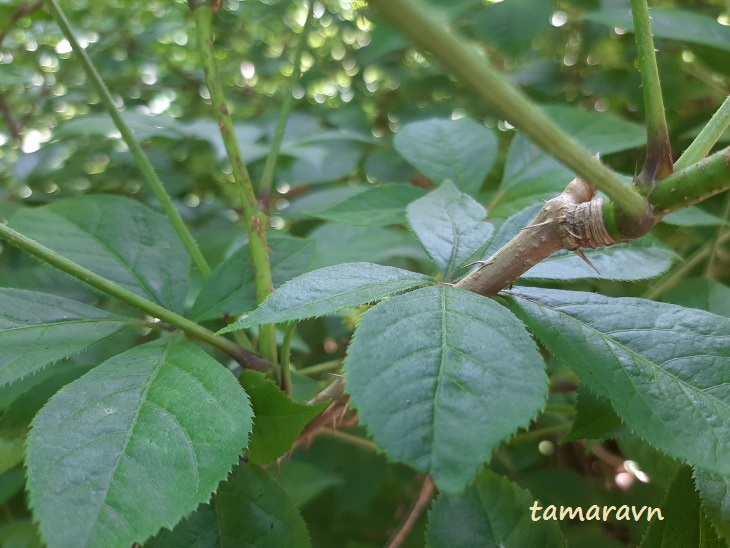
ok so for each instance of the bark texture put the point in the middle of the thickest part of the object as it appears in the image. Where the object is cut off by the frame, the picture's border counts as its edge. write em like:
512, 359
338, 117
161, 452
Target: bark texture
572, 220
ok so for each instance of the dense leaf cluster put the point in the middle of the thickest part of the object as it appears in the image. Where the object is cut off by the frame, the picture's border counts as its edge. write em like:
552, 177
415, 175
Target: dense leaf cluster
575, 387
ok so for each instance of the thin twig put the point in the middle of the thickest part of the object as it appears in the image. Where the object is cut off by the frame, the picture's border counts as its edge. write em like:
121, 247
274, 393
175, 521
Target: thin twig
140, 158
428, 490
268, 175
254, 219
244, 357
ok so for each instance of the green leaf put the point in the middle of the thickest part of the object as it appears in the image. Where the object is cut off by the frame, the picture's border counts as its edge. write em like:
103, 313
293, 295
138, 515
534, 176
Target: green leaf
11, 483
494, 512
692, 216
117, 238
715, 493
451, 227
435, 375
19, 534
279, 419
327, 290
142, 125
638, 260
511, 26
250, 509
594, 419
339, 244
134, 445
11, 453
703, 293
15, 422
379, 206
460, 151
664, 368
231, 288
671, 24
678, 523
37, 330
531, 175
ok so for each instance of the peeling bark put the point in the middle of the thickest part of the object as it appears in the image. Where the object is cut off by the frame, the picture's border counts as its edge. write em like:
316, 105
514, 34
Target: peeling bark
572, 221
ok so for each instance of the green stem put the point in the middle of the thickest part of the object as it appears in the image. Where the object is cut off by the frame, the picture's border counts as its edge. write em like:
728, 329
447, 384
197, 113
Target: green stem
324, 367
267, 178
679, 274
707, 138
693, 184
721, 232
286, 384
254, 219
242, 356
560, 409
658, 162
418, 22
134, 147
349, 439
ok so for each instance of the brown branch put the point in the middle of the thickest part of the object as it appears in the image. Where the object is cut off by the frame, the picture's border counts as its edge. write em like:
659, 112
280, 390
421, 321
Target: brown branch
570, 221
428, 491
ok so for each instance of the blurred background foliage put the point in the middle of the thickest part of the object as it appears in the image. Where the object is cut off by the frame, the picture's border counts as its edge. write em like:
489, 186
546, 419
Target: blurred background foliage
361, 83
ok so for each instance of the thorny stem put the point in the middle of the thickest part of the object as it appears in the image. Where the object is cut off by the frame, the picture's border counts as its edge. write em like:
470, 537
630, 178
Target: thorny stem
576, 219
134, 147
658, 163
254, 219
428, 490
707, 138
324, 367
241, 355
459, 57
267, 178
